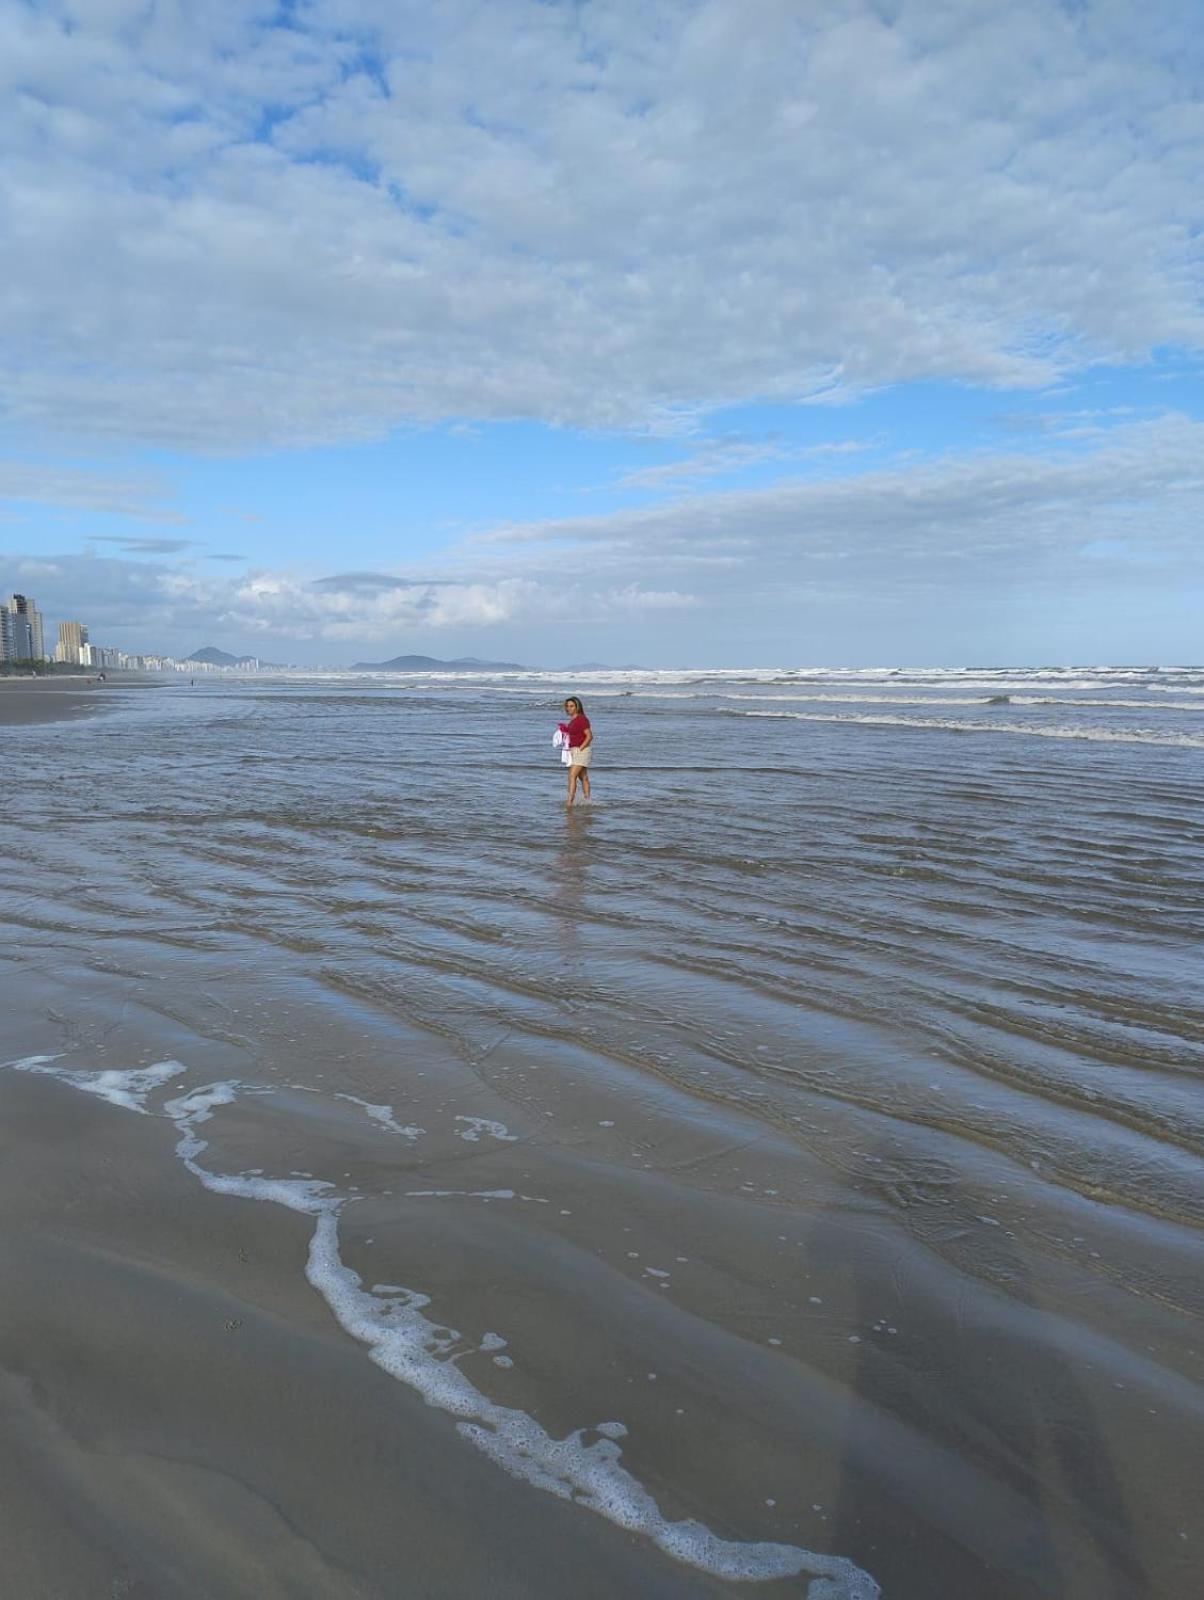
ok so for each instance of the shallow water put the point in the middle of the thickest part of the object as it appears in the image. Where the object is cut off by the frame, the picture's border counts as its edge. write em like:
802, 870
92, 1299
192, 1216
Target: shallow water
820, 1106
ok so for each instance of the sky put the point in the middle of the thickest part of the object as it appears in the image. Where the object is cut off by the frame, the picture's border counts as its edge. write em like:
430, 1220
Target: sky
666, 332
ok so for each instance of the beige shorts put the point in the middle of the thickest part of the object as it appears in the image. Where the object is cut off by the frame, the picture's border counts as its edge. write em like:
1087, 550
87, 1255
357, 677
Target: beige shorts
580, 756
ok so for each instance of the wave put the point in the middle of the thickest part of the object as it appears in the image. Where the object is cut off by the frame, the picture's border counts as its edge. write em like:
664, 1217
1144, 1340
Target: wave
1163, 680
1000, 695
1192, 741
964, 700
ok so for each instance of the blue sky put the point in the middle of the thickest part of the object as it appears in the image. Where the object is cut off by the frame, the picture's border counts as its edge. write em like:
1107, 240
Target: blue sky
679, 333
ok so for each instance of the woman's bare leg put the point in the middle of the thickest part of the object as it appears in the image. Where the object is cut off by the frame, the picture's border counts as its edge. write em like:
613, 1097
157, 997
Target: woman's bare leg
585, 782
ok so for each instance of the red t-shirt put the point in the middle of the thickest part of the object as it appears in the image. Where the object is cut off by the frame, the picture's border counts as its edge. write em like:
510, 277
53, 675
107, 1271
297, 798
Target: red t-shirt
576, 730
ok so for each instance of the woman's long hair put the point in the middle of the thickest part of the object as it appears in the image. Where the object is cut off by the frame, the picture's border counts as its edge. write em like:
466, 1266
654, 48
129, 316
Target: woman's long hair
580, 711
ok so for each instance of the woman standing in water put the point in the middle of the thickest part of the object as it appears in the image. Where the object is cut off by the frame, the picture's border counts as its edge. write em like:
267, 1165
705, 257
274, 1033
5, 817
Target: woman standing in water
580, 737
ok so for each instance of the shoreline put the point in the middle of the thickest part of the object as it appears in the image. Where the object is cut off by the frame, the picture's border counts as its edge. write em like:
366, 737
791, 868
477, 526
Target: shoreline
28, 701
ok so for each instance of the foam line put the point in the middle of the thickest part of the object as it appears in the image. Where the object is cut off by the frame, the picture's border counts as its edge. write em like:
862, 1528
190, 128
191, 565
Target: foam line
126, 1089
474, 1194
383, 1115
389, 1320
474, 1127
849, 698
1190, 741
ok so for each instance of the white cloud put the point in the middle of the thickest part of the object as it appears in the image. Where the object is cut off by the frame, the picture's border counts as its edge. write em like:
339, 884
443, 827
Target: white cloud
1115, 521
152, 606
226, 233
286, 605
720, 457
73, 489
976, 510
147, 547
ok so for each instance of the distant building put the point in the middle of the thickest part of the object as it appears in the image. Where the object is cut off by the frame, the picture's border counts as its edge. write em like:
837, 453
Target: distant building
23, 635
73, 636
101, 656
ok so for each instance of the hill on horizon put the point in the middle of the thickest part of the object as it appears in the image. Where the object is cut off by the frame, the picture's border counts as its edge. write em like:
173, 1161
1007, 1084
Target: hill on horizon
211, 656
433, 664
601, 666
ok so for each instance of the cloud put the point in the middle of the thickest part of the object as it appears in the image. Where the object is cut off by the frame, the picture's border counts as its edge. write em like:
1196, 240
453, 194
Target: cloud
232, 230
725, 457
361, 583
72, 489
335, 609
1113, 519
146, 605
135, 546
965, 523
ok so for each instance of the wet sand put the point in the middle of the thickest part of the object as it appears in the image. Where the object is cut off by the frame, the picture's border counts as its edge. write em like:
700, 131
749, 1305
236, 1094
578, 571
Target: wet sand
181, 1417
33, 700
401, 1200
25, 701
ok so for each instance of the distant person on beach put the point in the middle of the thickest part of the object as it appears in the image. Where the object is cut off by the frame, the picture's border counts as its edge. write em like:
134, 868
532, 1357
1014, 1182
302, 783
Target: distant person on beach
580, 737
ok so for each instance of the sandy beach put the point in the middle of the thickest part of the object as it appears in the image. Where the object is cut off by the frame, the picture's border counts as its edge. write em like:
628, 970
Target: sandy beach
182, 1418
33, 700
60, 699
726, 1190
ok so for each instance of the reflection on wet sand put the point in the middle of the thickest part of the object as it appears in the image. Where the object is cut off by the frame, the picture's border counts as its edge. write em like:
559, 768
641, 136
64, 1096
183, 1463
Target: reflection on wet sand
834, 1144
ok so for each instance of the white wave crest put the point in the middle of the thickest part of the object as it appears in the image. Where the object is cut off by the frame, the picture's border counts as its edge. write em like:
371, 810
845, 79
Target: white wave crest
1152, 736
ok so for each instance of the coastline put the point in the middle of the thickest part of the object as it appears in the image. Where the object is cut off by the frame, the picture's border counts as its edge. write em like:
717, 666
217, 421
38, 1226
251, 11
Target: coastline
25, 701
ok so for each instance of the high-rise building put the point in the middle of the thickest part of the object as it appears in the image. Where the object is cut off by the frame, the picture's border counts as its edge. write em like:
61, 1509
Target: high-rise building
20, 635
24, 642
72, 637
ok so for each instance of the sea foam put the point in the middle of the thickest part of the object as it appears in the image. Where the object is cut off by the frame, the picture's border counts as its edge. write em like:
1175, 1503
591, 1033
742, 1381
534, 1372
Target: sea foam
1189, 741
127, 1089
474, 1127
389, 1320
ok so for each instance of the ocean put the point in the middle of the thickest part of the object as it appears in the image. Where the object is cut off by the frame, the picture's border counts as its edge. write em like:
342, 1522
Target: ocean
784, 1170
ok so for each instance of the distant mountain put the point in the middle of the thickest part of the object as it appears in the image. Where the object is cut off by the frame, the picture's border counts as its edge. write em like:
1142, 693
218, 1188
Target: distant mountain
433, 664
211, 656
601, 666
